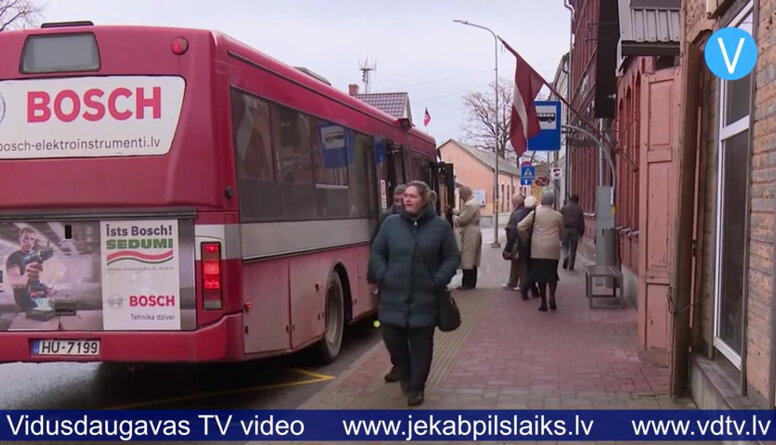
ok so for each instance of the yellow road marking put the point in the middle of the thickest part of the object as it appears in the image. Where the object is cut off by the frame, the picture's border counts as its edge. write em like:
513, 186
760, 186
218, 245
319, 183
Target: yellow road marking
315, 375
315, 378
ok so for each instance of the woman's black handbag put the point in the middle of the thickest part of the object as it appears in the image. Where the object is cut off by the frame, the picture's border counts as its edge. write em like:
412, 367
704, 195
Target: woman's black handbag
449, 315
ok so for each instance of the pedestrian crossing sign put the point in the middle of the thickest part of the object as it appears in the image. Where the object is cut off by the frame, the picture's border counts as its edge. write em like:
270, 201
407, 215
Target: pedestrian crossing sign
527, 174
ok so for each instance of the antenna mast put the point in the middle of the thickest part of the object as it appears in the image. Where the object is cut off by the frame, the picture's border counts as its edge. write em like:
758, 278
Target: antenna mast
365, 67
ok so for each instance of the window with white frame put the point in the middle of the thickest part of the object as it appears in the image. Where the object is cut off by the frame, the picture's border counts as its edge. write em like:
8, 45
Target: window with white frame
732, 233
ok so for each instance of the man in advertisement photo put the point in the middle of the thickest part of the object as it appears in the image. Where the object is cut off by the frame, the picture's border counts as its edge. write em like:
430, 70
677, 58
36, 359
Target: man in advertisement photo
24, 268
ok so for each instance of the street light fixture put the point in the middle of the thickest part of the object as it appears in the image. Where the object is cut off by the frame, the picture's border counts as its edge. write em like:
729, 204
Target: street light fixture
495, 170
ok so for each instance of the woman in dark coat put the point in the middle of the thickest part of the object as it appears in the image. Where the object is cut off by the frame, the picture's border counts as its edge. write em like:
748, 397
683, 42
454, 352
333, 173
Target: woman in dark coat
413, 258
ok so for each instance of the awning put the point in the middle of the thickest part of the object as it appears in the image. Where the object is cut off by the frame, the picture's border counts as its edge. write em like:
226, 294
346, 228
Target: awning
649, 27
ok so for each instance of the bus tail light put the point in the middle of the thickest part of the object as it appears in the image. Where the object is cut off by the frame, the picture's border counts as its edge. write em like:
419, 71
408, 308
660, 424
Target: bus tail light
211, 275
179, 45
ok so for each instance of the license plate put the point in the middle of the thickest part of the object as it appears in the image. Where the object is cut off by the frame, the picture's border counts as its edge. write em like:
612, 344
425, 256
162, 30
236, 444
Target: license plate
66, 347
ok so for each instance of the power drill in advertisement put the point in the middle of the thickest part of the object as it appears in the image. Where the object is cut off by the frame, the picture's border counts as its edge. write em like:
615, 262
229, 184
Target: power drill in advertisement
38, 291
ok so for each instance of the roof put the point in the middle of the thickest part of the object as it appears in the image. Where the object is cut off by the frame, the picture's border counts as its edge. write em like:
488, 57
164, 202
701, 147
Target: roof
649, 27
488, 158
395, 104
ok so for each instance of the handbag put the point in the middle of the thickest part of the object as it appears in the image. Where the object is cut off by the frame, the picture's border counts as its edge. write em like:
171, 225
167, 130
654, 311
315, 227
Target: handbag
448, 313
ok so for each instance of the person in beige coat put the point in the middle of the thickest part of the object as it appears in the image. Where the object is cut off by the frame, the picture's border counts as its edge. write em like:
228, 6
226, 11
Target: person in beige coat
467, 222
544, 227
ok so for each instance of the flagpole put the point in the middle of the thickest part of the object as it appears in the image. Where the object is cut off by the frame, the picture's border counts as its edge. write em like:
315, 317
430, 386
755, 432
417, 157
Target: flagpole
594, 129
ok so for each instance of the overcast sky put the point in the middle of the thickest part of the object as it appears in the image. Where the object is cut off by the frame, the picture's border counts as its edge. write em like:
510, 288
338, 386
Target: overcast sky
415, 44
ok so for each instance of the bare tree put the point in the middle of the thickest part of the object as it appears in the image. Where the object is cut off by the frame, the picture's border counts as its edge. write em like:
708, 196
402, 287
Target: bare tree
15, 14
480, 127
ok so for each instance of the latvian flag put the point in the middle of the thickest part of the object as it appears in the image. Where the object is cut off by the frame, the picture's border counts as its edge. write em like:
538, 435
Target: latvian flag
524, 124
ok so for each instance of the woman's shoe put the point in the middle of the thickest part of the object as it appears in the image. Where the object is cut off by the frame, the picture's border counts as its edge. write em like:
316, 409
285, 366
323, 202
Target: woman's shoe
393, 376
543, 308
552, 305
415, 398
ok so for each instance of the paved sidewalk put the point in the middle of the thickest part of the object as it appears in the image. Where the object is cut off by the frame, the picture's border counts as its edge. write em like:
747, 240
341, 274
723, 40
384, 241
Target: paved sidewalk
508, 355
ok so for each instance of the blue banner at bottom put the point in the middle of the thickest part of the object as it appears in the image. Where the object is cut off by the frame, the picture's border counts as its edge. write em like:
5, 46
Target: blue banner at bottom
388, 425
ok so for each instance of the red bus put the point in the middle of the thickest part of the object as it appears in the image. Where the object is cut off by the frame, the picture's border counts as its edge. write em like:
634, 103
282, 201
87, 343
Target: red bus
173, 195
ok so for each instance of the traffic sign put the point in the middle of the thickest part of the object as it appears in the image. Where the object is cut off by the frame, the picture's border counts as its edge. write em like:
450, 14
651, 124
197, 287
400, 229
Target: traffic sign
548, 139
555, 173
527, 174
542, 181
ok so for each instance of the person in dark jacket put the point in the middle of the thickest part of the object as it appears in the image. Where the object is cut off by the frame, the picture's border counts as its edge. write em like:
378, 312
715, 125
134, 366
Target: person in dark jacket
573, 230
518, 251
413, 258
398, 198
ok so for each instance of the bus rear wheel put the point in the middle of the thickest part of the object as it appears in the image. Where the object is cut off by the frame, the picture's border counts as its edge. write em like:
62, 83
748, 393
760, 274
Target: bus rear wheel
334, 317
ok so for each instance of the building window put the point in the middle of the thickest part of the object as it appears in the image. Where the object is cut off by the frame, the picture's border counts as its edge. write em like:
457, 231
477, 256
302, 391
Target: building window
732, 233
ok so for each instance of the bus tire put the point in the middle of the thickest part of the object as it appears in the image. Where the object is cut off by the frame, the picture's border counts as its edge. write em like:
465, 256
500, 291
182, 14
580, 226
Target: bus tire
334, 320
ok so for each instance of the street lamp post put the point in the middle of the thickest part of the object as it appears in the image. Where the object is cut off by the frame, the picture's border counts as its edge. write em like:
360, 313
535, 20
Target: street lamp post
495, 170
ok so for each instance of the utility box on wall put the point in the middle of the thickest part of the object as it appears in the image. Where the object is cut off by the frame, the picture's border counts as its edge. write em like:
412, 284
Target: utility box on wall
606, 234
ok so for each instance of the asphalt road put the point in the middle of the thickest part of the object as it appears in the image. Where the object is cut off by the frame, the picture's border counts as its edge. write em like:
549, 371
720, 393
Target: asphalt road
276, 383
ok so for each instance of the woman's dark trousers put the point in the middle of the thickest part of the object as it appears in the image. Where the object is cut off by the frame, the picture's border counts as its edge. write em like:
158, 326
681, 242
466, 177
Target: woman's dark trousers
411, 350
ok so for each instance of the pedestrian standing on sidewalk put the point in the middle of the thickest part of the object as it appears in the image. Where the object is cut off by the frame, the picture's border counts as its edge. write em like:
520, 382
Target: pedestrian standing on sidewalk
413, 258
544, 227
398, 198
524, 251
467, 220
518, 270
573, 230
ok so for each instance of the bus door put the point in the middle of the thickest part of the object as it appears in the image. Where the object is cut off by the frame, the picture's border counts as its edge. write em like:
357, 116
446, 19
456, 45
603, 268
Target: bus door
396, 173
382, 176
443, 181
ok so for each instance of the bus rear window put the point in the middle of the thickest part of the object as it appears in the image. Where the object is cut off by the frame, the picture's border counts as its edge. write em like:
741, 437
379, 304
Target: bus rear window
60, 52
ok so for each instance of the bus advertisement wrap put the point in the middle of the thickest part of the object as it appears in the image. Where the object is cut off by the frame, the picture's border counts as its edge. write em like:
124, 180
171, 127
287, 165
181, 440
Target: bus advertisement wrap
89, 116
91, 275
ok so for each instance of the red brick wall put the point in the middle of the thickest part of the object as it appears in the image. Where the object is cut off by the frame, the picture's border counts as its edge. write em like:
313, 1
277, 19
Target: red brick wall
762, 195
584, 160
761, 243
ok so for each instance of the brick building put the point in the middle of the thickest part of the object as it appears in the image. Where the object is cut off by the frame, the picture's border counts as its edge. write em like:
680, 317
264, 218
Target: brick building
592, 92
723, 272
647, 134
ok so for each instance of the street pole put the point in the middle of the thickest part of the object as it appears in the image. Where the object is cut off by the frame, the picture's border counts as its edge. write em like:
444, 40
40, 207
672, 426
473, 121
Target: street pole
495, 242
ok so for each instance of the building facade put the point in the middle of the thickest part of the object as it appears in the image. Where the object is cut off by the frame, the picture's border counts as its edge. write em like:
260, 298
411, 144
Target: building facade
474, 168
723, 262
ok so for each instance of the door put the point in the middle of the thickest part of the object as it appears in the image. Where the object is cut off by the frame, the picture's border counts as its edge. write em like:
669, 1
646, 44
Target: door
395, 166
660, 110
445, 181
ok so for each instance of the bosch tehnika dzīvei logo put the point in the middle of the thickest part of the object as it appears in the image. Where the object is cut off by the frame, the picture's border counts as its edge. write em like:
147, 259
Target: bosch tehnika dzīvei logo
2, 108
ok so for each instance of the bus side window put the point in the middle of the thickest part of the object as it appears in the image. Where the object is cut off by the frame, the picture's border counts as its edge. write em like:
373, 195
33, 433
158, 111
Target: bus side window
252, 139
293, 147
294, 167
